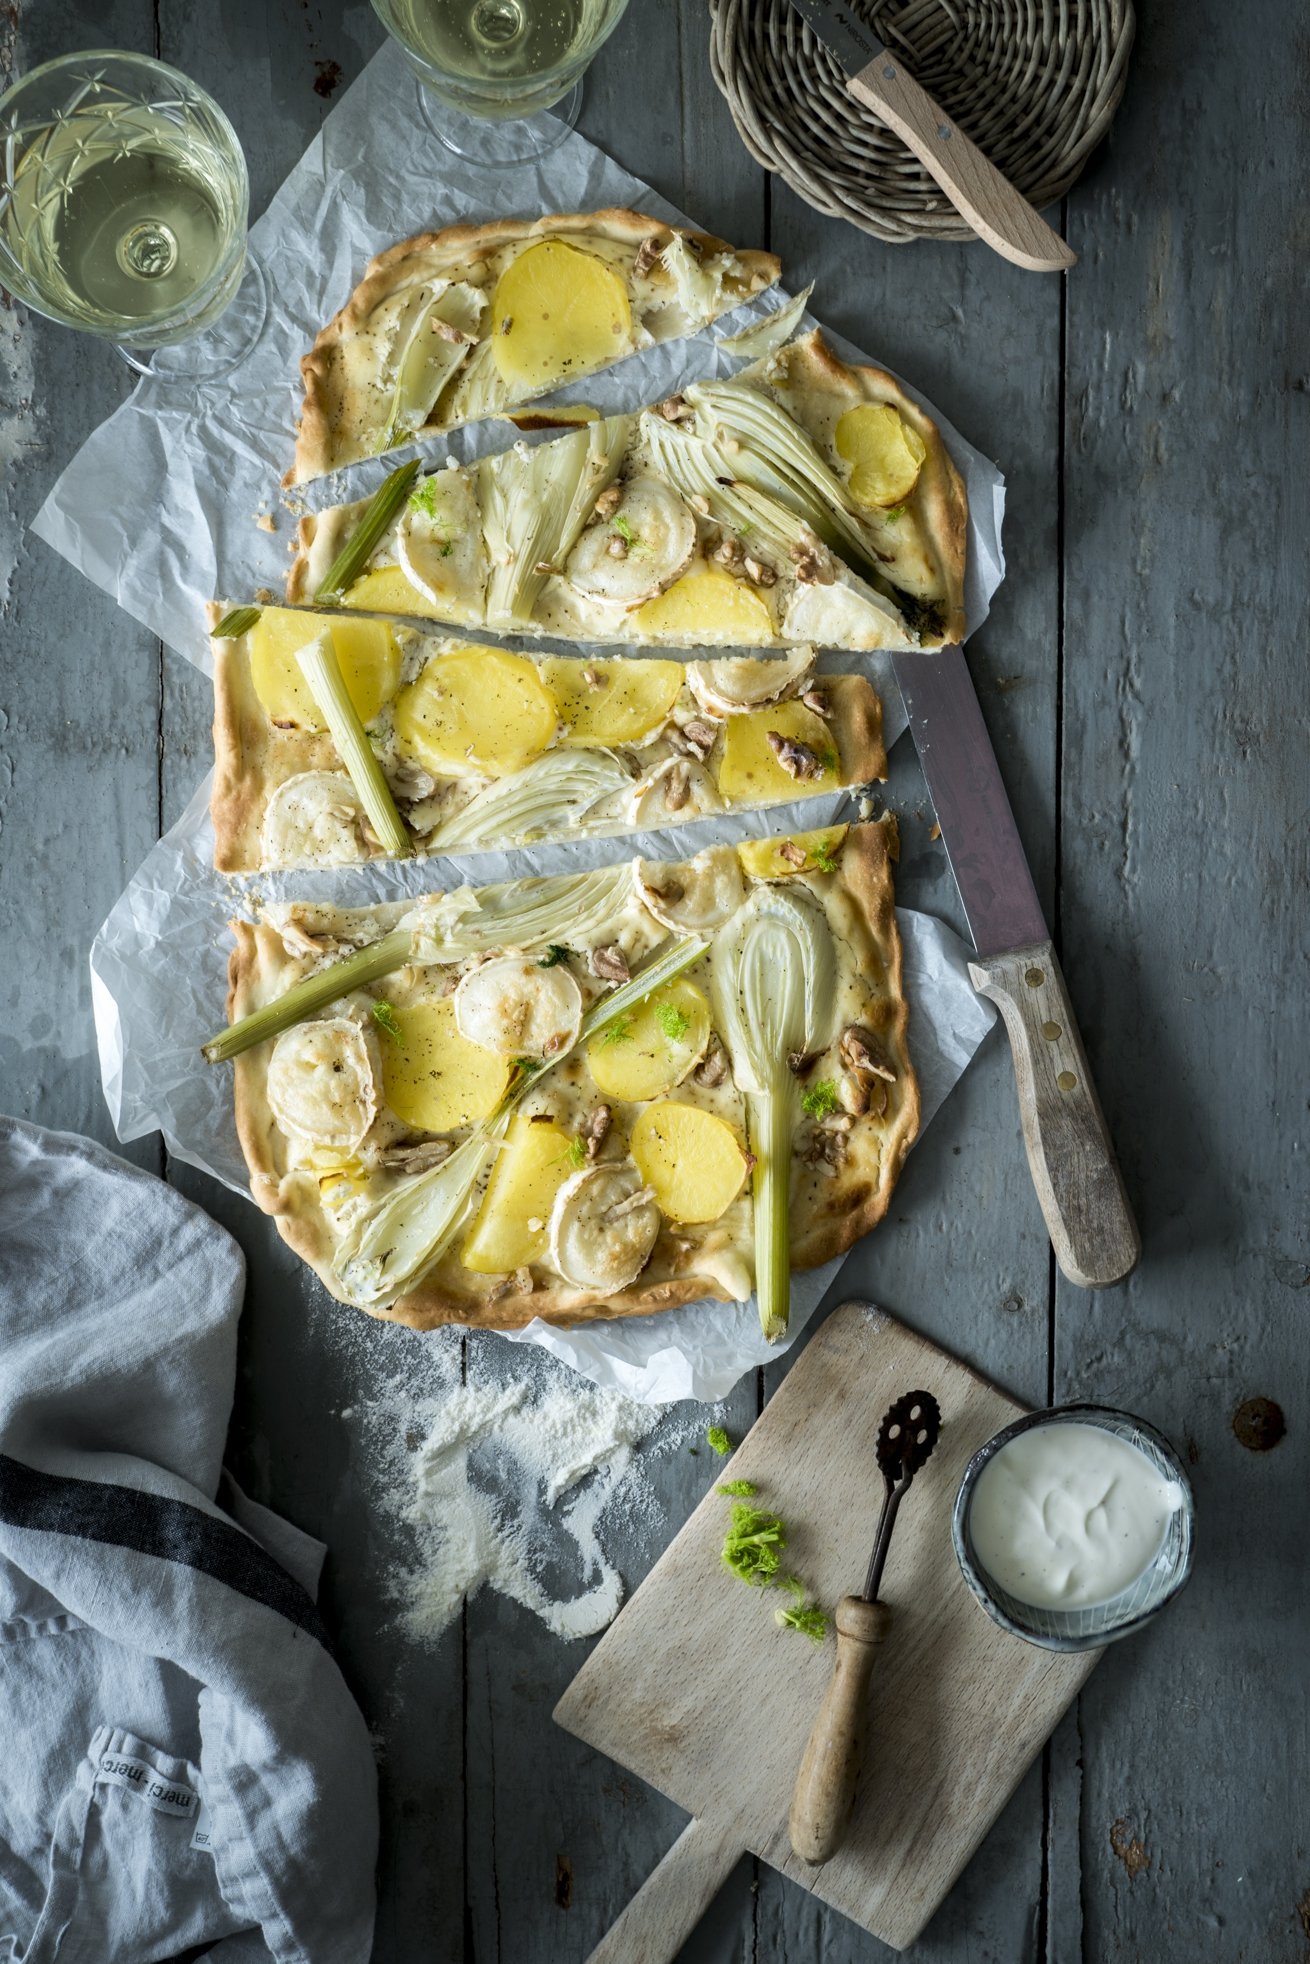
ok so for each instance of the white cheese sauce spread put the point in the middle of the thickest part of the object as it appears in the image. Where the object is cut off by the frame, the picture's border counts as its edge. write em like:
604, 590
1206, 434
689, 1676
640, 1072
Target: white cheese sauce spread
1067, 1515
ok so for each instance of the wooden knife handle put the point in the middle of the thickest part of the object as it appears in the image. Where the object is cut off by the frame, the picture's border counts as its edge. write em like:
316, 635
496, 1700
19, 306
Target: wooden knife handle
1073, 1165
997, 212
673, 1898
830, 1765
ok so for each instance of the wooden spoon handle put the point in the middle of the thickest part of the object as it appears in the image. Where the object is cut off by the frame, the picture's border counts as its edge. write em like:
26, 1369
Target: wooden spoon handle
825, 1786
1070, 1155
980, 193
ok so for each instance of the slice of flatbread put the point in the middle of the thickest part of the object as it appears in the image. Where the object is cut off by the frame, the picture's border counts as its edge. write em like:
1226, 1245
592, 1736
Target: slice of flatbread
330, 1114
802, 501
476, 320
484, 748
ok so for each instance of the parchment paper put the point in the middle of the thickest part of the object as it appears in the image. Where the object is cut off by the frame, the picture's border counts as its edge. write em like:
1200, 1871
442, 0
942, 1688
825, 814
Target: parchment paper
159, 509
159, 983
159, 506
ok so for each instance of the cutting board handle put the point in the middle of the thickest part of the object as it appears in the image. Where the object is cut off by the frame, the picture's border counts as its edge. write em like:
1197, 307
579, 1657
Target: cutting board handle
673, 1898
1073, 1165
830, 1765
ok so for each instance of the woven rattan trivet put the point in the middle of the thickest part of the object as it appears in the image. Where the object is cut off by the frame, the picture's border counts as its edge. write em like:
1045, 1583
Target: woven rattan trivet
1035, 83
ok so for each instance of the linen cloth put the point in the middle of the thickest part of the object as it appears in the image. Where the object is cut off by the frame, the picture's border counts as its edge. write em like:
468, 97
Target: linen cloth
181, 1759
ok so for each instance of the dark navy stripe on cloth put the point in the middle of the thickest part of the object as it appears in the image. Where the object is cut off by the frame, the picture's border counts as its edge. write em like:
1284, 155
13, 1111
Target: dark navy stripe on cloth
155, 1524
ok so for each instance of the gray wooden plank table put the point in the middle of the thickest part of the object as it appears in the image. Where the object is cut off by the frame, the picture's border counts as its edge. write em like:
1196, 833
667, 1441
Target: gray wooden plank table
1143, 674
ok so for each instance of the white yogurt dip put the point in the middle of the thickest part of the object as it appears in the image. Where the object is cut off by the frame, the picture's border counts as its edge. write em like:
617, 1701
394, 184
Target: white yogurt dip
1067, 1515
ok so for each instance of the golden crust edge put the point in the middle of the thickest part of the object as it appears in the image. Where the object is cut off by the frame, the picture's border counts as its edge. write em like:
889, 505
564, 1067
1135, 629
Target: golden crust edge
240, 790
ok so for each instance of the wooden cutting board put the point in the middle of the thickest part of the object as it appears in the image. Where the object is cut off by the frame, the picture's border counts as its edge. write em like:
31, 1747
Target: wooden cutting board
697, 1690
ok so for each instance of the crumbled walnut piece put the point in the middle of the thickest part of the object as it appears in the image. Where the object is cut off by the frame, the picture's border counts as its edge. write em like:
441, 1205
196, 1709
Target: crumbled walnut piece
593, 678
595, 1127
861, 1055
505, 1287
826, 1151
813, 561
409, 782
675, 409
791, 852
758, 573
699, 737
523, 1280
647, 253
854, 1094
817, 700
801, 1062
610, 963
609, 501
554, 1044
728, 552
447, 331
617, 546
797, 759
677, 788
713, 1066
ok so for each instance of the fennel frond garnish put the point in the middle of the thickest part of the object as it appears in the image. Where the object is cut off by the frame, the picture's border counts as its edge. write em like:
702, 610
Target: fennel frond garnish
321, 669
774, 988
384, 1016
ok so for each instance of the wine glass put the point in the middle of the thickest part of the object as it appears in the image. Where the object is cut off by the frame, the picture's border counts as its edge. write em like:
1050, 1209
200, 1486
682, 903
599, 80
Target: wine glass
123, 209
495, 65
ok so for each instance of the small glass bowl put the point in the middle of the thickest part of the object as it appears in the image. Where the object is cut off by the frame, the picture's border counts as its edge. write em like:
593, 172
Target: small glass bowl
1098, 1623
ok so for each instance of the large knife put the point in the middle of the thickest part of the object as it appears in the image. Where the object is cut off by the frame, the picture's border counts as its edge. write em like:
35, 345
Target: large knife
1073, 1165
982, 196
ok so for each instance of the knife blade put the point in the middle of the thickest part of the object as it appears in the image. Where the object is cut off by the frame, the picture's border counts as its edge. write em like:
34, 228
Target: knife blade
1070, 1154
980, 193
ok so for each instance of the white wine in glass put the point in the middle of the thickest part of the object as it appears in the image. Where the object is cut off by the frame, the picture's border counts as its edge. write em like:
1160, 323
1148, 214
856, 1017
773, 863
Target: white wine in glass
123, 200
501, 61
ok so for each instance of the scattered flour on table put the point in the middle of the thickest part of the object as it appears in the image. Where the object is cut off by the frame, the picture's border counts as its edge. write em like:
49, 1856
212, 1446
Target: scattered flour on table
507, 1485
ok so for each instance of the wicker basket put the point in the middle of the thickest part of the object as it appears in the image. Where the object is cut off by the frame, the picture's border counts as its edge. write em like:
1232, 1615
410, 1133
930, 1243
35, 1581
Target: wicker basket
1035, 83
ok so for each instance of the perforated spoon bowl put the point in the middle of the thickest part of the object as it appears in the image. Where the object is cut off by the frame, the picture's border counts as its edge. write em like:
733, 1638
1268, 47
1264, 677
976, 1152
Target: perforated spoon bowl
834, 1752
